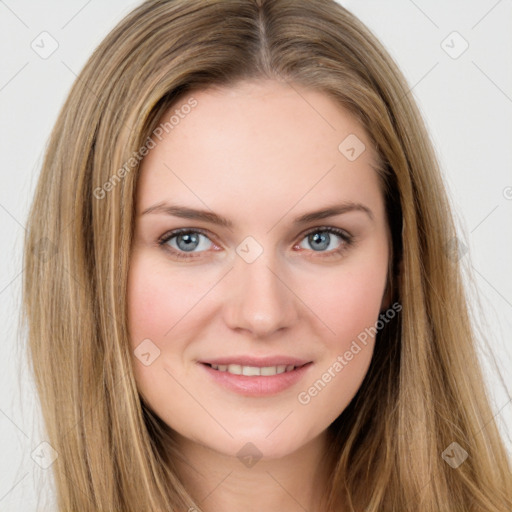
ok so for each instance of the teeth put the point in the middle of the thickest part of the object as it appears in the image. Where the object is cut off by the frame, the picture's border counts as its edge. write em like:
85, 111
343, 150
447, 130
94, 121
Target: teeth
237, 369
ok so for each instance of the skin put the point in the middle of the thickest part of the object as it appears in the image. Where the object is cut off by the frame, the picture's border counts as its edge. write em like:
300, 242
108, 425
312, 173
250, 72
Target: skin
259, 153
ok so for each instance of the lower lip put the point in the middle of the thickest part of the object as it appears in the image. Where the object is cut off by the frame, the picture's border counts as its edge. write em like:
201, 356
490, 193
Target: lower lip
257, 386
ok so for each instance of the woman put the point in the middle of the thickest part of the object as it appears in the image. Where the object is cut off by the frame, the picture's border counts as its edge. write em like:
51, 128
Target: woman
256, 371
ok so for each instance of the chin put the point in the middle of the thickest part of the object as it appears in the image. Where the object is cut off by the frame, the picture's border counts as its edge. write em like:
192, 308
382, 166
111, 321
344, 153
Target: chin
258, 444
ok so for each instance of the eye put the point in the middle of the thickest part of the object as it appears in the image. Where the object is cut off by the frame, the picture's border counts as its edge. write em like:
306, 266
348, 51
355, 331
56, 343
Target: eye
184, 241
322, 240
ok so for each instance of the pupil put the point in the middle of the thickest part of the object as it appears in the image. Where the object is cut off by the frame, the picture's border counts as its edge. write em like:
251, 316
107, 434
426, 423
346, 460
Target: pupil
319, 238
190, 239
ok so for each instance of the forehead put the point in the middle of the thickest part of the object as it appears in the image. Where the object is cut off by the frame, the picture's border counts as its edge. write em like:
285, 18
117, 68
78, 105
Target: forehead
259, 143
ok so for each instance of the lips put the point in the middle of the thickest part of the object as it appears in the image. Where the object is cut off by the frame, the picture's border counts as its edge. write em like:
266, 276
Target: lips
246, 380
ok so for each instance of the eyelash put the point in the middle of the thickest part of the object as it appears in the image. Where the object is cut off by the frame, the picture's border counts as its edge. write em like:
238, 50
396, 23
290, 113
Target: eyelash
348, 240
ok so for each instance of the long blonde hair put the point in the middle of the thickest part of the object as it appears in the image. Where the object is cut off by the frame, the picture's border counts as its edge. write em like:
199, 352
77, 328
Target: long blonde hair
424, 389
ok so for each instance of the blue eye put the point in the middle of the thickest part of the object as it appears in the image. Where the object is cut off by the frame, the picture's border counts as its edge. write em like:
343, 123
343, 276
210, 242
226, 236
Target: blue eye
186, 241
321, 239
183, 243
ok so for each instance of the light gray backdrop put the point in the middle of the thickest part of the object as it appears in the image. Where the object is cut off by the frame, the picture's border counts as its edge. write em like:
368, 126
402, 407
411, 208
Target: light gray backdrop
457, 58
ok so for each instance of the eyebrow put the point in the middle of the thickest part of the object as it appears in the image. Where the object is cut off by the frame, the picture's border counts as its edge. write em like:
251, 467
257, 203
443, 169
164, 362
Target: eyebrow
213, 218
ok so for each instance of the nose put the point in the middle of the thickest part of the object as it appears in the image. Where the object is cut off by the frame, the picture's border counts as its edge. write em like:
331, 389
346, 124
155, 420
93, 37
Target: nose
259, 299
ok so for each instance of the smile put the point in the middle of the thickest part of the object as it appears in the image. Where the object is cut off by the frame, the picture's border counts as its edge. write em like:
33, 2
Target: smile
255, 381
237, 369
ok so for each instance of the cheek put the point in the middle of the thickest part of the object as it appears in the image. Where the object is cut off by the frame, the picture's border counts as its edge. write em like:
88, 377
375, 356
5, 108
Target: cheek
351, 310
155, 301
353, 302
349, 300
147, 303
153, 308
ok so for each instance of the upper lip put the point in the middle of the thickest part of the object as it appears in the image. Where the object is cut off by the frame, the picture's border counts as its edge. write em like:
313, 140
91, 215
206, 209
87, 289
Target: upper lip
257, 361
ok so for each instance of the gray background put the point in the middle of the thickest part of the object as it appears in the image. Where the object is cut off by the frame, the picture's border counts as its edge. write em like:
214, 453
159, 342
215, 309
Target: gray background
465, 98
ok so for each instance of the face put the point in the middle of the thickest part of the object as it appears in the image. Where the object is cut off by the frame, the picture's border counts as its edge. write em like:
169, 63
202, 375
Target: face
268, 290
